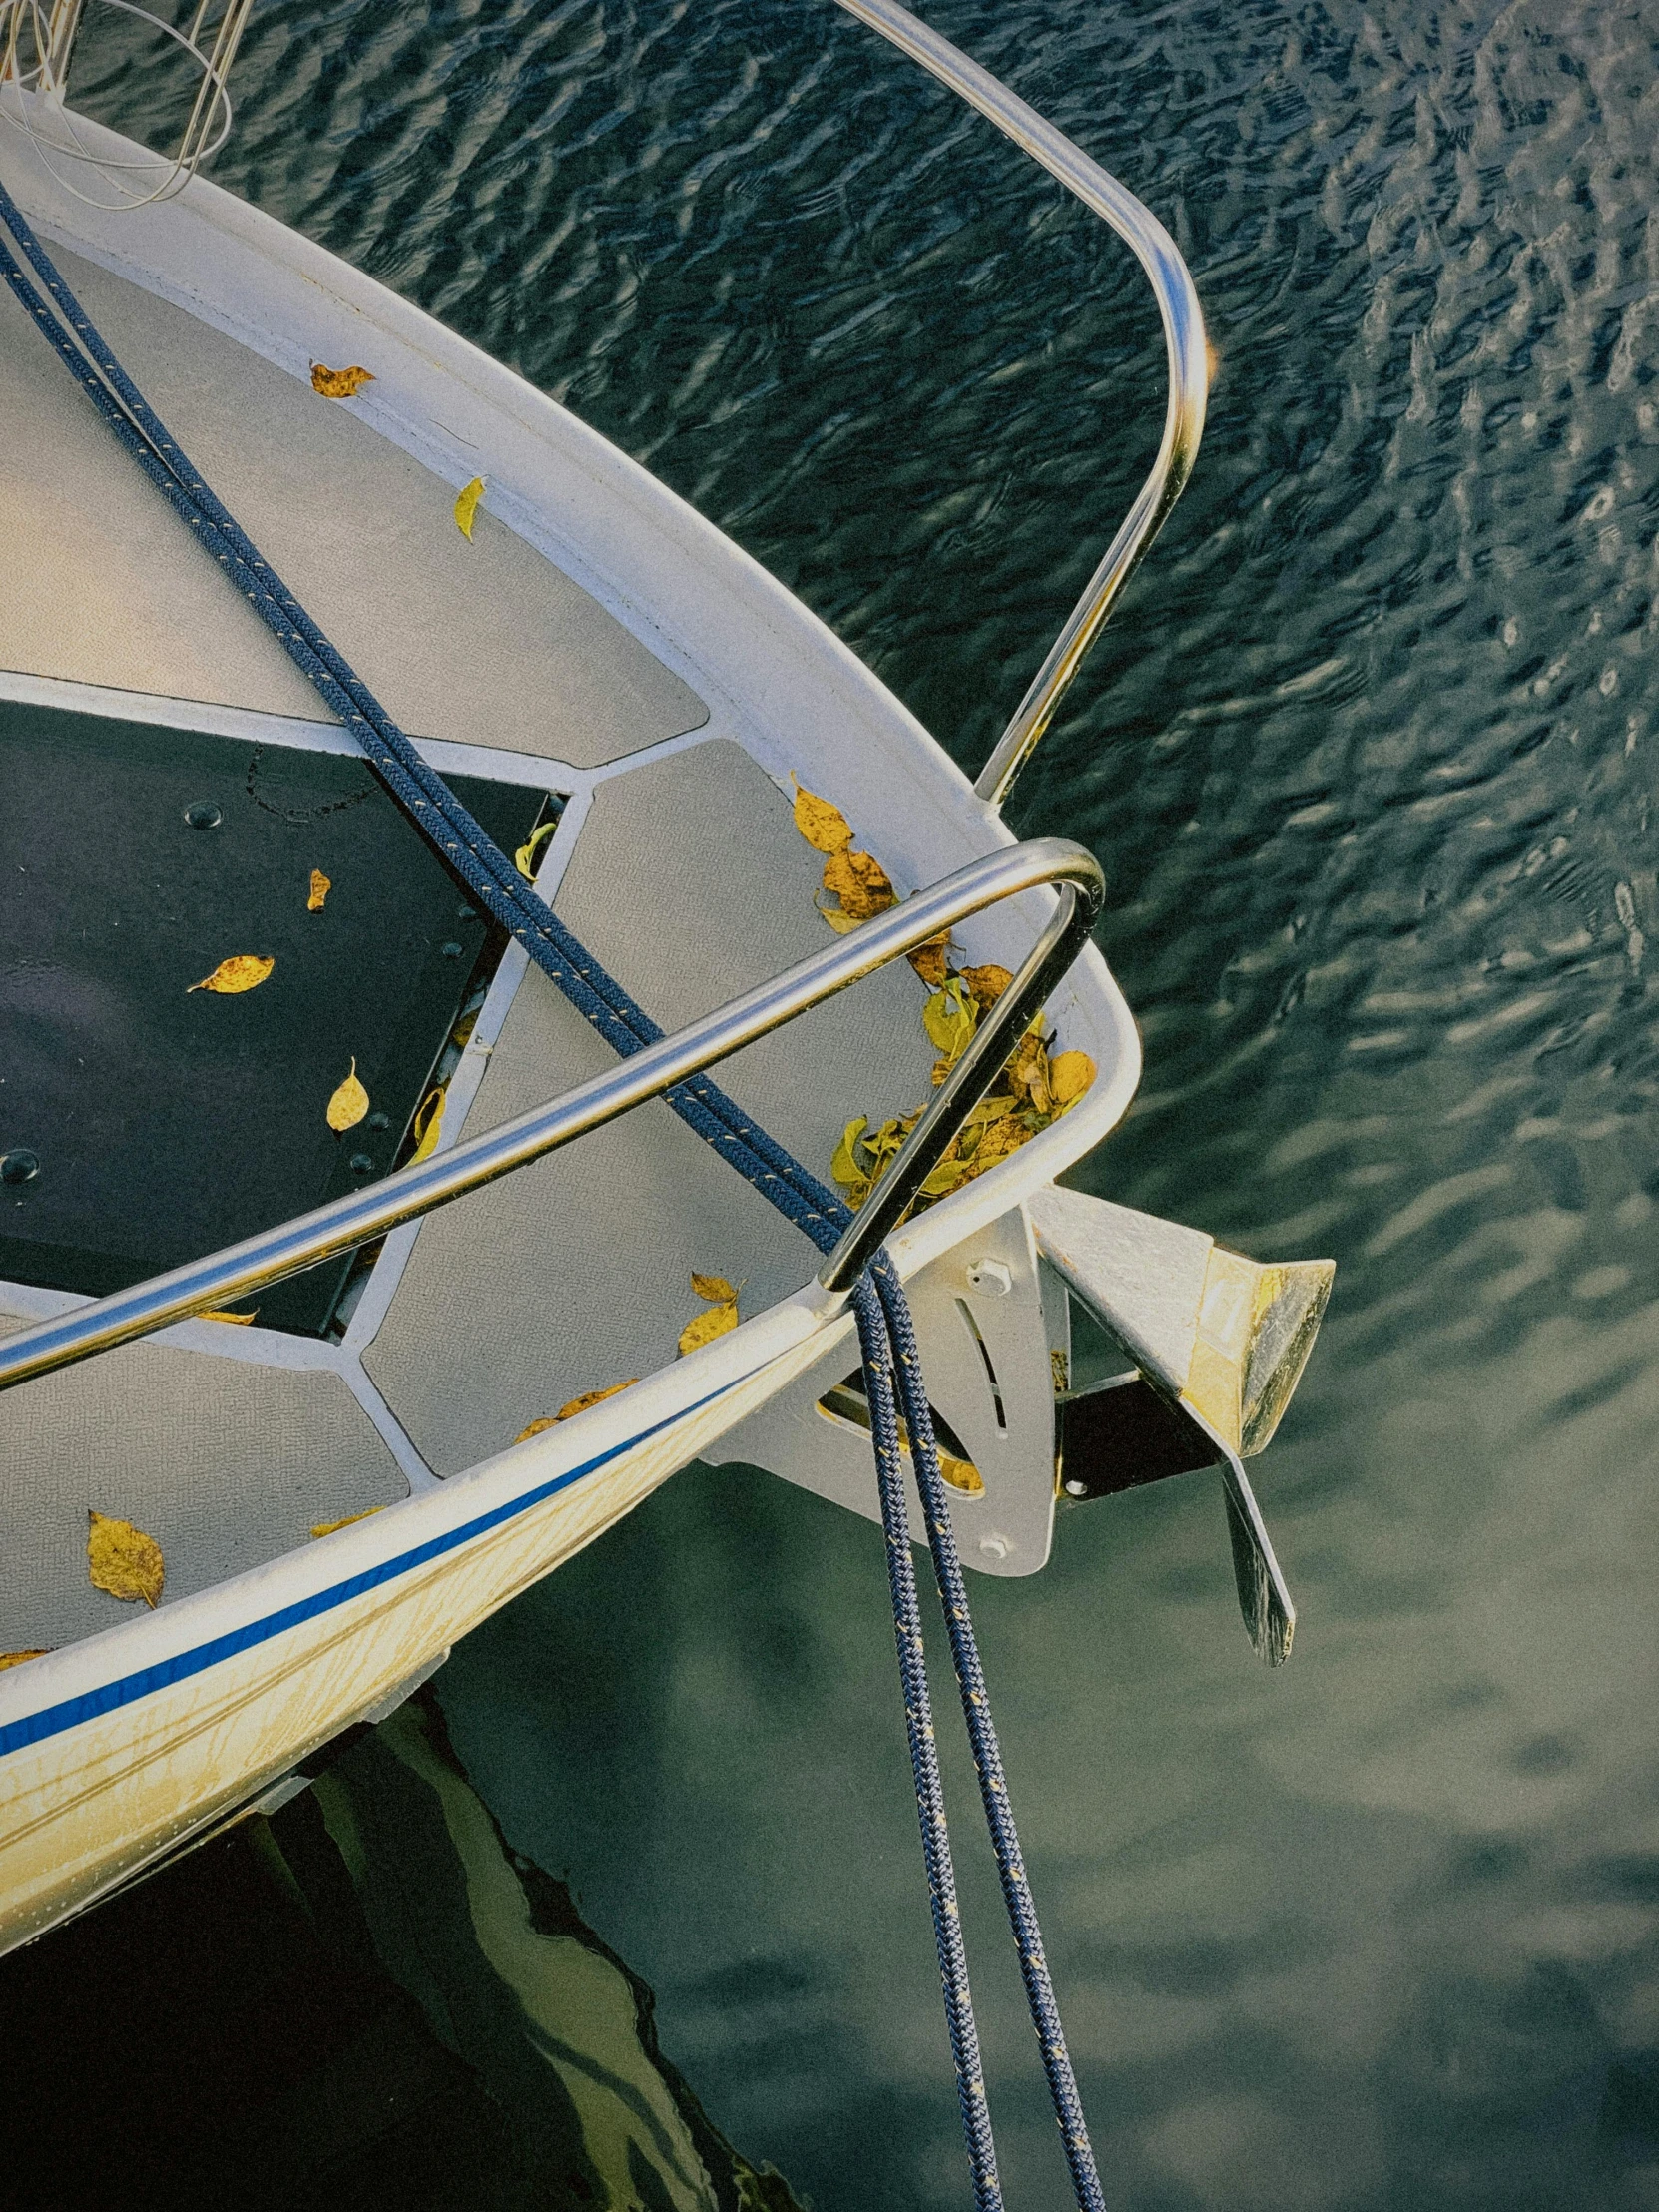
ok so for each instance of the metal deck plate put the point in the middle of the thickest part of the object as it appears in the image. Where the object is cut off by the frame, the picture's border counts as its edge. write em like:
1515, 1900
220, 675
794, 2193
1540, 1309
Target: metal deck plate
164, 1121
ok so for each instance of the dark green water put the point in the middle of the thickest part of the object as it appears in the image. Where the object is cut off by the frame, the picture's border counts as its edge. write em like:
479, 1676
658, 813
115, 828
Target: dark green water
1369, 756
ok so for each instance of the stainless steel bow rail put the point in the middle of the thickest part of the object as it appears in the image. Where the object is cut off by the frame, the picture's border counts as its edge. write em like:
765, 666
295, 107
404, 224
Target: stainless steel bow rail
202, 1285
1189, 374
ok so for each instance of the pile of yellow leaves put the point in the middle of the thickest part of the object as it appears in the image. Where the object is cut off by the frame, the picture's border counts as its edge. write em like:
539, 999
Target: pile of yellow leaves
857, 882
1038, 1085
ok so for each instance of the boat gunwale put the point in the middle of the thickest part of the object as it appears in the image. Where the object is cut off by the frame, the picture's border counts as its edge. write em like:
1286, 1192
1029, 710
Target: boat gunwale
801, 662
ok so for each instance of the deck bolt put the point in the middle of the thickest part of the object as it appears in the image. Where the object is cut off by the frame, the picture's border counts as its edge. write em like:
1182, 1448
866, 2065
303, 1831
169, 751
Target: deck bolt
361, 1163
202, 814
18, 1166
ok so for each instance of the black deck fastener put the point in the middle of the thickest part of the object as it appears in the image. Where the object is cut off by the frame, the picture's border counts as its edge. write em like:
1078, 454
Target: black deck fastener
184, 1121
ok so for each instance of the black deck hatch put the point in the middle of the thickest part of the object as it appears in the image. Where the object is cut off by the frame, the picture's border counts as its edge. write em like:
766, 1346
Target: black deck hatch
160, 1122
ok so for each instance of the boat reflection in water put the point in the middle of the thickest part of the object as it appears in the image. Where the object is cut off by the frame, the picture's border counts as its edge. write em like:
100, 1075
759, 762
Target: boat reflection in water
368, 1999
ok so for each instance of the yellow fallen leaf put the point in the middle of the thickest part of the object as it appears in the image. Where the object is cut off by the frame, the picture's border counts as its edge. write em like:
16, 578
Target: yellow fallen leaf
1028, 1073
349, 1103
428, 1126
320, 887
1069, 1076
847, 1168
529, 852
713, 1322
714, 1288
327, 1527
951, 1018
825, 827
242, 972
122, 1560
989, 983
860, 882
944, 1177
466, 506
885, 1141
930, 960
16, 1658
999, 1139
839, 920
224, 1313
962, 1474
576, 1405
593, 1397
339, 383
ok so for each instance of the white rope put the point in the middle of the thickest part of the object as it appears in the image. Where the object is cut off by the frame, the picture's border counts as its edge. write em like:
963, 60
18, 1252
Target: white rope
34, 67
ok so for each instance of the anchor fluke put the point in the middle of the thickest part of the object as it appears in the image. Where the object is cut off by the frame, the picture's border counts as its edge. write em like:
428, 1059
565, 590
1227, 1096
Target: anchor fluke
1219, 1341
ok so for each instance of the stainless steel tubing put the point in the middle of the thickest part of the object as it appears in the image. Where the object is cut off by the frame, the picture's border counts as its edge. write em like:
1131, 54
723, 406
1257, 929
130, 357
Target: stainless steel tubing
1189, 374
202, 1285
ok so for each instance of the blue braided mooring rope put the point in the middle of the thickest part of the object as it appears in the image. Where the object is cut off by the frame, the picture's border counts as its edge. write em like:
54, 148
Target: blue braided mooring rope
887, 1335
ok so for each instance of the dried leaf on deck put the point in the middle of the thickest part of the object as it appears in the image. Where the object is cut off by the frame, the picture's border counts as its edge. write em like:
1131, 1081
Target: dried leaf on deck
17, 1658
844, 1166
721, 1314
122, 1560
242, 972
224, 1313
428, 1125
575, 1406
1069, 1076
466, 506
999, 1139
349, 1103
1028, 1072
322, 885
825, 827
327, 1527
944, 1177
860, 882
839, 920
341, 384
931, 960
528, 856
714, 1322
962, 1474
593, 1397
987, 984
951, 1018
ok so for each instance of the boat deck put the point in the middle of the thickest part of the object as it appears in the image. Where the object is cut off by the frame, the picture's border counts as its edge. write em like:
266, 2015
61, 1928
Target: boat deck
486, 643
676, 860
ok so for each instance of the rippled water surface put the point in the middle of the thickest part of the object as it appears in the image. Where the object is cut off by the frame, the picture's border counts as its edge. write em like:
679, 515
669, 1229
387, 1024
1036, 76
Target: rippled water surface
1368, 756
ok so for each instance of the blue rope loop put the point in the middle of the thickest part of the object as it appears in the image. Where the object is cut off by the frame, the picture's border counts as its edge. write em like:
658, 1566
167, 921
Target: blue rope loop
887, 1335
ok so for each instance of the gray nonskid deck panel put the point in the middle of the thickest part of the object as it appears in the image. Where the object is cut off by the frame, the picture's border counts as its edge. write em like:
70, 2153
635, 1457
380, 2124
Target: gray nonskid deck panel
226, 1463
690, 883
101, 582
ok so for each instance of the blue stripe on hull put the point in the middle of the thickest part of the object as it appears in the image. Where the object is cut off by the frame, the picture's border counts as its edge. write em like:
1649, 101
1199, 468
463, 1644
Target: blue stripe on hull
53, 1720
